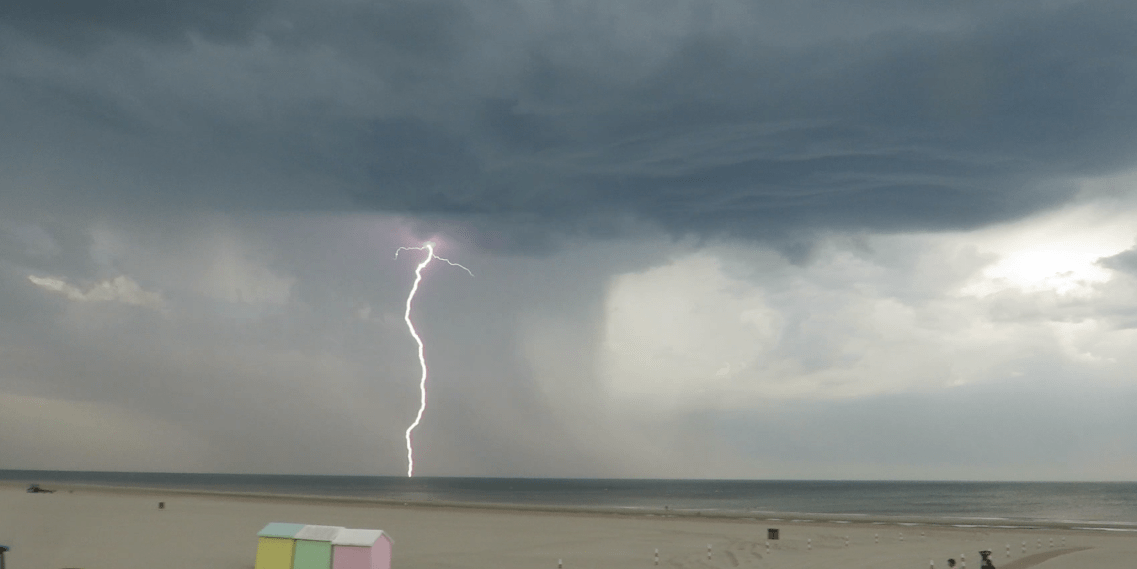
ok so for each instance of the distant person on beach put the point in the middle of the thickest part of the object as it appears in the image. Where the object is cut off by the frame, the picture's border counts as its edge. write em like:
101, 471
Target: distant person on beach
986, 563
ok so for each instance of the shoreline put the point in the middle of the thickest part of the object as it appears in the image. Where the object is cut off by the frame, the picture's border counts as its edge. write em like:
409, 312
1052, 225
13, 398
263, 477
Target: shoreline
742, 516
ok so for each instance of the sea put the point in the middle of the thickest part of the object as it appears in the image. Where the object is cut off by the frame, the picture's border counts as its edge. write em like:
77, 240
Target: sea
1100, 505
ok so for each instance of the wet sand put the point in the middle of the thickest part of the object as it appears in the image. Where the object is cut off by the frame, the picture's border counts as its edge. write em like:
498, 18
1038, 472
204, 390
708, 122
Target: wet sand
92, 528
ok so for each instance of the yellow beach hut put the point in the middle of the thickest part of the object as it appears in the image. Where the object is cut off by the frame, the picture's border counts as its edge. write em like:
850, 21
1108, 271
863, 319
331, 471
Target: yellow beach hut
276, 544
314, 547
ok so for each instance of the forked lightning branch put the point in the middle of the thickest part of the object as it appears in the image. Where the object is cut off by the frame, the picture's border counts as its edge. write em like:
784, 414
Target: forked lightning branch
429, 248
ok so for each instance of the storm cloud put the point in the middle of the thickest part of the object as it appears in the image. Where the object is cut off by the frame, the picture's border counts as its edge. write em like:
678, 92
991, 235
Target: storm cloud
711, 237
705, 118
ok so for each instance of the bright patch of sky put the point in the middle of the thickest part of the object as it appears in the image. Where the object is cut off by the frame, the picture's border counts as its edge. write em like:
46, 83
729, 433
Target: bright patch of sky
1059, 252
735, 324
120, 289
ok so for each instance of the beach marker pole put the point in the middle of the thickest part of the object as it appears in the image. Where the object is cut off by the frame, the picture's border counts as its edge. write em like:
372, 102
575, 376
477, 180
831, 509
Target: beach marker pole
1063, 541
1040, 543
1052, 543
708, 552
876, 538
901, 537
657, 556
1008, 550
767, 548
962, 561
1024, 548
846, 541
809, 545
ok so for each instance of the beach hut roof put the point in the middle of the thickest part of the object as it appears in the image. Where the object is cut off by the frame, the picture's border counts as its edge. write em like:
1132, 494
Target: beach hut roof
360, 537
277, 529
318, 533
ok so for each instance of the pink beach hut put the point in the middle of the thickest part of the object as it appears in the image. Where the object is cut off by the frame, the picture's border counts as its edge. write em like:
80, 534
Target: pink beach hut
314, 547
361, 549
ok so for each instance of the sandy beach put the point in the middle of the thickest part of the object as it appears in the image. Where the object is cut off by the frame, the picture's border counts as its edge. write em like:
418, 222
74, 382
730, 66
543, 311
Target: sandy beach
92, 528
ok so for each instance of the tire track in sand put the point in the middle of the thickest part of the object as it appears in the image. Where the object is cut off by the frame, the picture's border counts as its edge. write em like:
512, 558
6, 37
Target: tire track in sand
1032, 560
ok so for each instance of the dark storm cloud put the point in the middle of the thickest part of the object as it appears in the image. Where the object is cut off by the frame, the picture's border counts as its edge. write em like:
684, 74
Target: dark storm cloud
83, 23
705, 117
427, 30
897, 130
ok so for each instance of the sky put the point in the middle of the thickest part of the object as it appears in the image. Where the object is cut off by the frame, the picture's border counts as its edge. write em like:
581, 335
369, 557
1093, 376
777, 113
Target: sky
822, 239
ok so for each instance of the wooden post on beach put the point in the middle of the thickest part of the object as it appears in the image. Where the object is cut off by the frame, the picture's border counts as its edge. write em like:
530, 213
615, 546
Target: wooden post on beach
962, 561
1063, 541
1024, 548
1008, 550
876, 538
901, 537
767, 548
1039, 543
657, 556
809, 544
1052, 543
708, 552
846, 541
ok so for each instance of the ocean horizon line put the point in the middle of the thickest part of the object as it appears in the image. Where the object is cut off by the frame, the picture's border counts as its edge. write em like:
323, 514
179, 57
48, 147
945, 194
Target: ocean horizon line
14, 471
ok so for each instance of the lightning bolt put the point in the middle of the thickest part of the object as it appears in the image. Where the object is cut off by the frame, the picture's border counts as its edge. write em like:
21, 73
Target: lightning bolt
429, 248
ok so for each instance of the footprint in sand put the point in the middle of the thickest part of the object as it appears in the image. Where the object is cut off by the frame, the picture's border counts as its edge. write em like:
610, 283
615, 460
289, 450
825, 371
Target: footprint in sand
733, 559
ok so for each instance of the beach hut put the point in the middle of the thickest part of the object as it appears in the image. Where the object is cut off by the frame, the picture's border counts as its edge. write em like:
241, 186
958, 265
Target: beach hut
361, 549
314, 547
276, 544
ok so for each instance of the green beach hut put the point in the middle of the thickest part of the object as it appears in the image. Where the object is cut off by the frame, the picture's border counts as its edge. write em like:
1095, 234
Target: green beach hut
276, 544
314, 547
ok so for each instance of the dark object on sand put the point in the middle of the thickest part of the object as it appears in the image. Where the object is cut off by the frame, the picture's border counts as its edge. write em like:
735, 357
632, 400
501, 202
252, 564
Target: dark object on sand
772, 533
35, 489
3, 548
986, 563
161, 505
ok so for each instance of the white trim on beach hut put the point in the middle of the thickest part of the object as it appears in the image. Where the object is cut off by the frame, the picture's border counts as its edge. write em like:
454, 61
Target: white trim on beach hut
314, 547
276, 545
362, 549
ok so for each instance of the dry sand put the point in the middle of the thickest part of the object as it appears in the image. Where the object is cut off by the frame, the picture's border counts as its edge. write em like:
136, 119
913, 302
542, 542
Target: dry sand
116, 529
